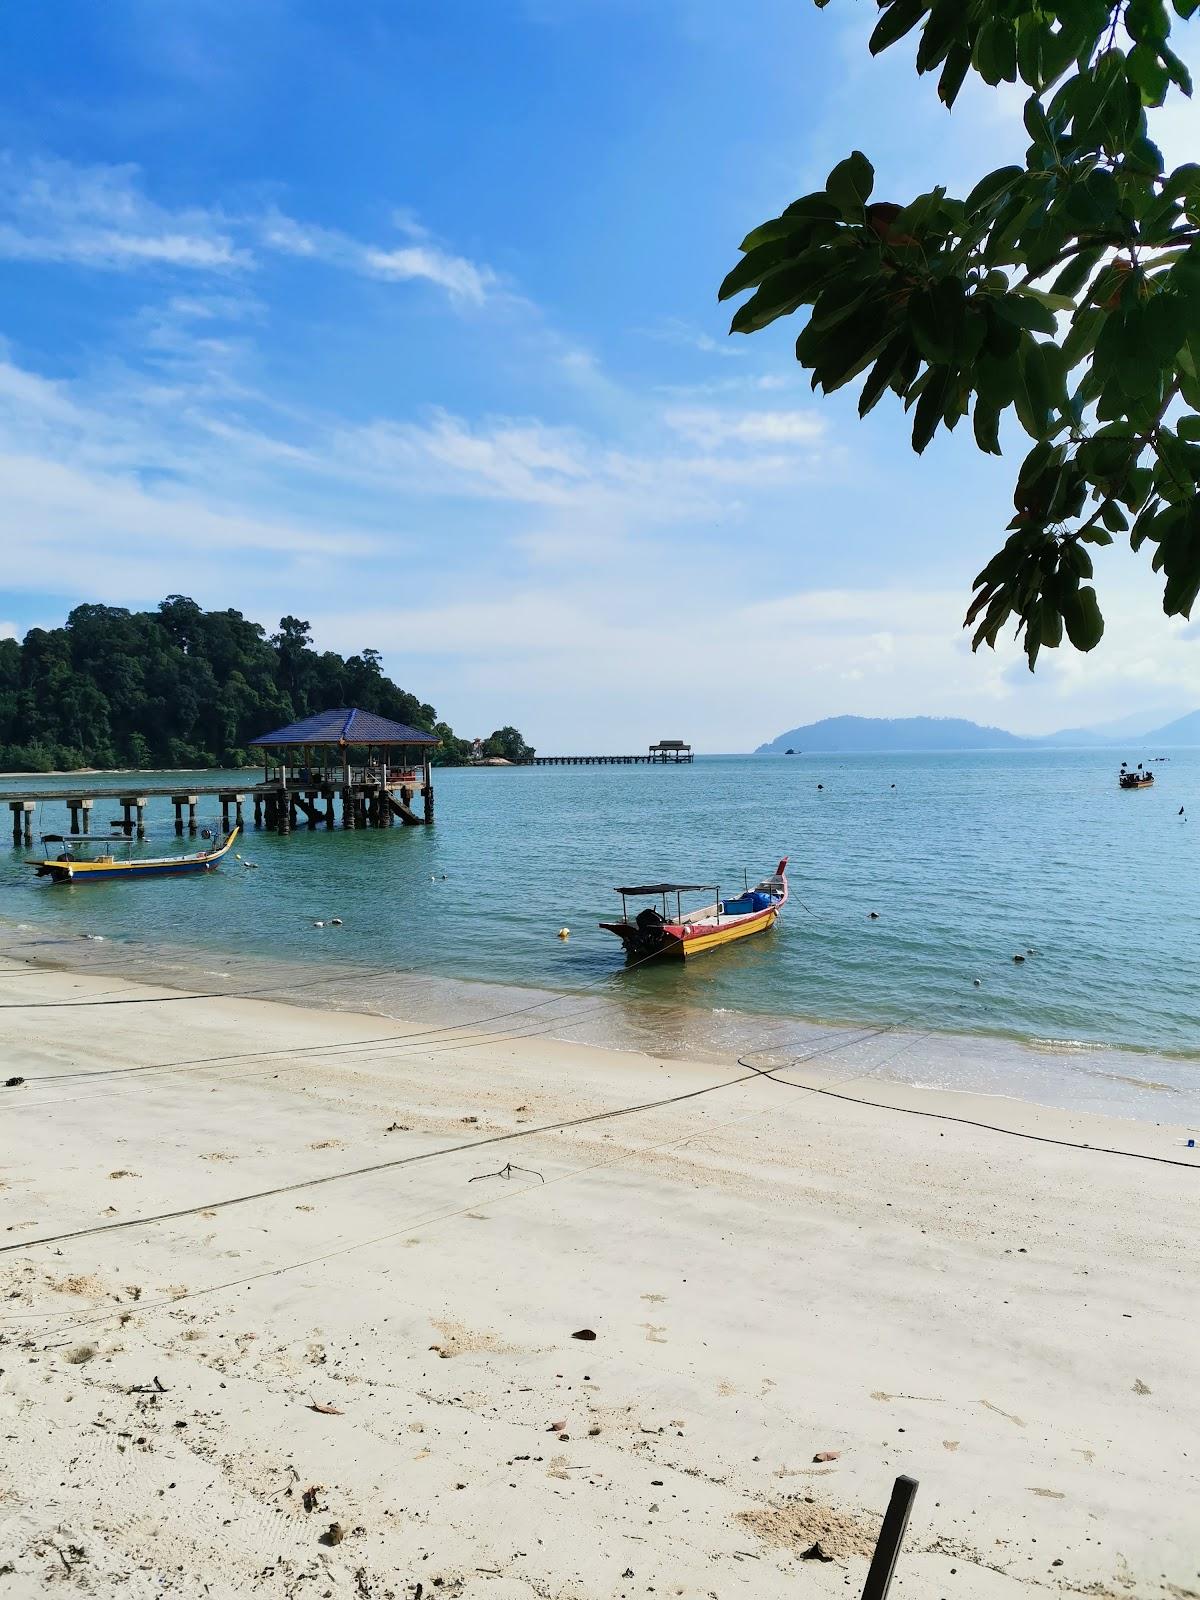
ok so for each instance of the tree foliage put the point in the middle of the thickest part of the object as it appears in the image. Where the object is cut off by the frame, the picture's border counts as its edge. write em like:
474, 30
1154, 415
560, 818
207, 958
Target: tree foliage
1064, 292
180, 687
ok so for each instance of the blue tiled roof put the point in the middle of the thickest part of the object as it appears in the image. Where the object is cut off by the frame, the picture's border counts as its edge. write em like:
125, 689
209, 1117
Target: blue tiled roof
348, 724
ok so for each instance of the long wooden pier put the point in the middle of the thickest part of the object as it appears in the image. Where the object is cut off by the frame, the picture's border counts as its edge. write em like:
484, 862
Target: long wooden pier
604, 761
282, 807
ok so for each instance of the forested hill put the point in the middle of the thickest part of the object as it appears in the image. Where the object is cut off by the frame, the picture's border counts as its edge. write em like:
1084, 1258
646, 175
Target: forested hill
184, 687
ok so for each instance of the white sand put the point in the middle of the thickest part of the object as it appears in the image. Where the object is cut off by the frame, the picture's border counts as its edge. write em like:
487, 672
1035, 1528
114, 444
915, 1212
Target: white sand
769, 1274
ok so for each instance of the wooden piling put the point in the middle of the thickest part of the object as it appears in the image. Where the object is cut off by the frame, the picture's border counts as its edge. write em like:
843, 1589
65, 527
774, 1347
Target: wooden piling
228, 798
258, 811
134, 807
80, 807
22, 815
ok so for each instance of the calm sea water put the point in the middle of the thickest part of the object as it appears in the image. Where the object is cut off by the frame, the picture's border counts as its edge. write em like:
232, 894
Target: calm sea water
968, 860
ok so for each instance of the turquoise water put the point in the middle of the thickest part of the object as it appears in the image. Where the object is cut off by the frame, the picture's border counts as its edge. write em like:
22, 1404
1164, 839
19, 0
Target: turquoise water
968, 859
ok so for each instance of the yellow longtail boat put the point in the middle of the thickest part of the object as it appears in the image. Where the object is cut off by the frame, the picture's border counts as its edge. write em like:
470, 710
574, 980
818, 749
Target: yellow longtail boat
68, 866
655, 933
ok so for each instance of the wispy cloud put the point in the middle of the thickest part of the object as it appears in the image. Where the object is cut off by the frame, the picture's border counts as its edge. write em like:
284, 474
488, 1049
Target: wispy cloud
101, 217
712, 428
460, 278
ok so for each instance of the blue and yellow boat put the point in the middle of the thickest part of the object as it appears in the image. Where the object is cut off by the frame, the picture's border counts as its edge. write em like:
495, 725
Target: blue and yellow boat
70, 865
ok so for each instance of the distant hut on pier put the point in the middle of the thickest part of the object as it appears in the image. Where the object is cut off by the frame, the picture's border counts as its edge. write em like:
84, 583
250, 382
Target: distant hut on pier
375, 765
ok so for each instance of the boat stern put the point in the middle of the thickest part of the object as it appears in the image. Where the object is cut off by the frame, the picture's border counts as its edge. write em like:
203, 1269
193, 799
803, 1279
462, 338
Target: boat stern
647, 943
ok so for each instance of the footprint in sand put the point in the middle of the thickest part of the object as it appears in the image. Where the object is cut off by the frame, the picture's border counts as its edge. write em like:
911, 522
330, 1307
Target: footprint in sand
654, 1333
328, 1144
654, 1299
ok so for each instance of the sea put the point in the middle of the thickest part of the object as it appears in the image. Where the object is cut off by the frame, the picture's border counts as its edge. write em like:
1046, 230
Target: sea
966, 861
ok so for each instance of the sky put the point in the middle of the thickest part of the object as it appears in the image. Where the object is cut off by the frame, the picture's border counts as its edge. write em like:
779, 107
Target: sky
402, 319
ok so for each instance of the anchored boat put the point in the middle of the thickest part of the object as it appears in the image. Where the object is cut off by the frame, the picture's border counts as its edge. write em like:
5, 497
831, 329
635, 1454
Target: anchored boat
1128, 778
72, 865
670, 932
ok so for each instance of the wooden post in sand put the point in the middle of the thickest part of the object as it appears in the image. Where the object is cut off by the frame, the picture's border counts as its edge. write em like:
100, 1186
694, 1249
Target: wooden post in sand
891, 1536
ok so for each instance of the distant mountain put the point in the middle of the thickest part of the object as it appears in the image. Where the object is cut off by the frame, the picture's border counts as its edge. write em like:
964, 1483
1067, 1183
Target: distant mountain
1184, 730
851, 735
844, 735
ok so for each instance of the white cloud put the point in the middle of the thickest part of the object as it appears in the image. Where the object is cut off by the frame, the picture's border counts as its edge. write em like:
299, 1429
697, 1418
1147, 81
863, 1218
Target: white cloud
712, 428
461, 278
101, 217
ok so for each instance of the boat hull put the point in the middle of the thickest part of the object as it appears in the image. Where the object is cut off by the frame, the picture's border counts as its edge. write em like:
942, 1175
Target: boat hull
674, 942
104, 871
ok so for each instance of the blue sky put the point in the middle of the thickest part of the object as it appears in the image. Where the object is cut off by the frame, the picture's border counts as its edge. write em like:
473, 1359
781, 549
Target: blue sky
402, 318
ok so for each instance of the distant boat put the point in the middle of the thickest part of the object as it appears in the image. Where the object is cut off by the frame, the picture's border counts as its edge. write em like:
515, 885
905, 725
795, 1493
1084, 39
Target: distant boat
70, 866
654, 934
1129, 778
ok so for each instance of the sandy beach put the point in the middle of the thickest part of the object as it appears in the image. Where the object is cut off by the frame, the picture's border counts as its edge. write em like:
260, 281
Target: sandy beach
374, 1386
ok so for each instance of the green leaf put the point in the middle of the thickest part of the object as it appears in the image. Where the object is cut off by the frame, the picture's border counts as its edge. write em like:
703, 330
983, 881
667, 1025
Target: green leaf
995, 54
1035, 398
886, 368
1146, 21
1025, 311
1077, 272
779, 294
954, 72
898, 19
986, 422
1036, 125
935, 315
1085, 625
993, 187
930, 407
1148, 72
754, 266
849, 185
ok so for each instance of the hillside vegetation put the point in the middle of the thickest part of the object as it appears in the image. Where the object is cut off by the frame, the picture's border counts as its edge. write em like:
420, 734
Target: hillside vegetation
185, 687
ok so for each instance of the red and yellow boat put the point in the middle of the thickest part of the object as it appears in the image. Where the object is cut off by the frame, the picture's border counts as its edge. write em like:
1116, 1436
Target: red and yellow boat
657, 933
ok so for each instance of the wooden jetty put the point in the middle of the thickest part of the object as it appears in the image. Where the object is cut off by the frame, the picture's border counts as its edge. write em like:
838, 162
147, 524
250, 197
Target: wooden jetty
671, 752
374, 766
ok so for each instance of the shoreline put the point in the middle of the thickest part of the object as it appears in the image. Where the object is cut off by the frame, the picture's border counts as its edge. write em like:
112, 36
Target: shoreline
770, 1274
1089, 1075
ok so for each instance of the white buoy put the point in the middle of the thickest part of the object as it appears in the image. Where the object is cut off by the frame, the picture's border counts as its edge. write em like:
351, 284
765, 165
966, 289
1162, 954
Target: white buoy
564, 933
978, 983
335, 922
318, 924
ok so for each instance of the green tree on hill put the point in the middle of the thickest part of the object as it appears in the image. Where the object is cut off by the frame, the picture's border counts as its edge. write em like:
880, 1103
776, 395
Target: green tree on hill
180, 687
1063, 292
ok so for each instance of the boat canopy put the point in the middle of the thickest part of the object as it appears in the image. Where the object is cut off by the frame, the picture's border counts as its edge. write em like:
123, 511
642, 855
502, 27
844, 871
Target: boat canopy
83, 838
666, 888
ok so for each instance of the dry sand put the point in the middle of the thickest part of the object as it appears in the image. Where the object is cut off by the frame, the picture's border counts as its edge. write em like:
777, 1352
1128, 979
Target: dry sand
372, 1388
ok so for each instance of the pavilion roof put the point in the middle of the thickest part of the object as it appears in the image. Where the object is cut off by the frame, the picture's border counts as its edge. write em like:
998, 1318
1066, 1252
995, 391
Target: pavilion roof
346, 725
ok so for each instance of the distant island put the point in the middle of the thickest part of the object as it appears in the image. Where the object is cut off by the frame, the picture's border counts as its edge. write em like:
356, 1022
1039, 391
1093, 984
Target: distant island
861, 735
184, 687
